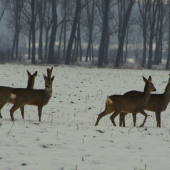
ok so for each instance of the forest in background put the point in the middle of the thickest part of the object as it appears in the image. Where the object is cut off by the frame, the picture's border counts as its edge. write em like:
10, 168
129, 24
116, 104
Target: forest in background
99, 32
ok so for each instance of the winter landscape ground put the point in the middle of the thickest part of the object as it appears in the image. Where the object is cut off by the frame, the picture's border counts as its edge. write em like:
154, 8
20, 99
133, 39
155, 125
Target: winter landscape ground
67, 139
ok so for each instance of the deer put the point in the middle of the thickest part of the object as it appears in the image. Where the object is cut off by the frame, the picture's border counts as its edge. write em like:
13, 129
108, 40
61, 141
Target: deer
128, 104
35, 97
5, 92
157, 103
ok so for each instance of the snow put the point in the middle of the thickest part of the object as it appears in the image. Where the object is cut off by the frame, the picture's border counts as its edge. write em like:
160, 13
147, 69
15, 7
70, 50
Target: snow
67, 139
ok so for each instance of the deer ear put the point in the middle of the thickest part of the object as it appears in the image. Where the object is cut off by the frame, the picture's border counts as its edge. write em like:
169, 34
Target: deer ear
149, 79
52, 78
145, 80
35, 74
49, 72
45, 78
28, 73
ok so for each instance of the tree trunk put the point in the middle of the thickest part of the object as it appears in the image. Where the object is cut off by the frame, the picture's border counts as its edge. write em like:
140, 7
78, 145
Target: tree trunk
65, 24
40, 48
17, 43
33, 30
53, 33
144, 50
29, 44
90, 18
46, 45
73, 31
150, 50
106, 49
126, 45
87, 51
59, 46
79, 40
158, 37
17, 29
41, 7
123, 33
168, 57
13, 47
152, 20
74, 51
104, 33
78, 43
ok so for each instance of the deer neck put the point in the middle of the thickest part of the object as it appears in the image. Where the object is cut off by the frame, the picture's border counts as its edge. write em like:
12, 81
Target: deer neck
30, 85
48, 92
146, 93
167, 93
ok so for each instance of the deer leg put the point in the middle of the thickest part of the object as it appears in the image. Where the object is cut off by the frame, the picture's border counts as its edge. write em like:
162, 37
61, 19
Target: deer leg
122, 119
113, 116
158, 118
1, 106
159, 115
39, 112
134, 119
104, 113
143, 113
12, 110
0, 114
22, 111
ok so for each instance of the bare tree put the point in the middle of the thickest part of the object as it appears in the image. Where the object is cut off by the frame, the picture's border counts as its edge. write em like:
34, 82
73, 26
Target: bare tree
143, 22
153, 8
168, 56
41, 7
160, 24
59, 45
89, 23
54, 4
104, 33
15, 8
47, 25
3, 8
122, 33
73, 30
33, 20
27, 25
65, 25
78, 46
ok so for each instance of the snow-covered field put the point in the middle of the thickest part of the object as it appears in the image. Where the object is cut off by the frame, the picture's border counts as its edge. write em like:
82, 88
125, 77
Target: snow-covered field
67, 139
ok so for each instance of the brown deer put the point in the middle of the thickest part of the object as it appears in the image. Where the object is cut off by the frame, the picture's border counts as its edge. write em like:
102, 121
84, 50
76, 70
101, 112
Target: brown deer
128, 104
34, 97
5, 92
157, 103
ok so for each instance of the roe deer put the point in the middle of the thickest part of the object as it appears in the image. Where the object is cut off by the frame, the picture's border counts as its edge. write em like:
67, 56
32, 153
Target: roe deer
34, 97
157, 103
128, 104
5, 92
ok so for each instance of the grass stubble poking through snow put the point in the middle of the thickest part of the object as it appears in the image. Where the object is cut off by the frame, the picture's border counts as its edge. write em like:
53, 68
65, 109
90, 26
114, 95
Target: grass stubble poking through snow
67, 139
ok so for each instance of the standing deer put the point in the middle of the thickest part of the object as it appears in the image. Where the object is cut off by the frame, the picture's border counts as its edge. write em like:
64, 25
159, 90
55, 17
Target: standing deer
128, 104
34, 97
157, 103
5, 92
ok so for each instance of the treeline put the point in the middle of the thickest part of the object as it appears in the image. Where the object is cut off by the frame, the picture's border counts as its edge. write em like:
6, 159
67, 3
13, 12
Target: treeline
99, 31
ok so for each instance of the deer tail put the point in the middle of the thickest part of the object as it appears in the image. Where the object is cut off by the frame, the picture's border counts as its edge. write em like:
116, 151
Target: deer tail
13, 96
108, 101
